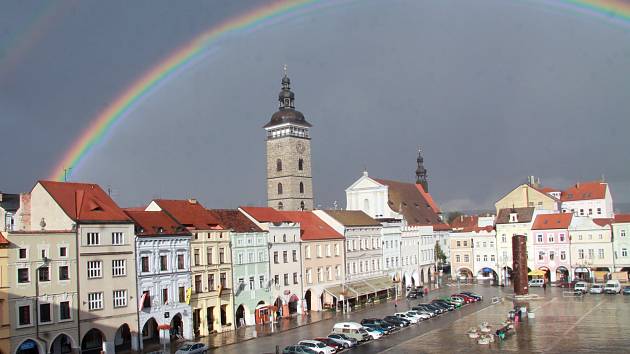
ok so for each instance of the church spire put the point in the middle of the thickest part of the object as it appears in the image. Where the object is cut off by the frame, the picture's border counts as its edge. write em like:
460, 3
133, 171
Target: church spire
286, 96
421, 172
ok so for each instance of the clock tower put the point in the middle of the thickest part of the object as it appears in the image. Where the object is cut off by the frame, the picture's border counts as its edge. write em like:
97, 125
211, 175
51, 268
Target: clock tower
289, 179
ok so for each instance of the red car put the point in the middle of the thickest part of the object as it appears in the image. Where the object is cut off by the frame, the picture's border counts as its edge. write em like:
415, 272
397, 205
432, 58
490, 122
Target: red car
467, 299
330, 343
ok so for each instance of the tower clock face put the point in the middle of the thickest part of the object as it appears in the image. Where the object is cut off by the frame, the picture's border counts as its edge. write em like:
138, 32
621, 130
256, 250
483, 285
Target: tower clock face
300, 148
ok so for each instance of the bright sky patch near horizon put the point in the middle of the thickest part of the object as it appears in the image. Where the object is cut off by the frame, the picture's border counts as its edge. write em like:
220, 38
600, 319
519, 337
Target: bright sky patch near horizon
493, 91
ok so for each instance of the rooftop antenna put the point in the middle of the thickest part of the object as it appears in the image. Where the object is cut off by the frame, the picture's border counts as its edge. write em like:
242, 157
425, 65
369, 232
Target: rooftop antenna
66, 173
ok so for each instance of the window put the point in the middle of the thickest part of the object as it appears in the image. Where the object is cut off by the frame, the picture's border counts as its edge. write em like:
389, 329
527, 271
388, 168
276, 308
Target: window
94, 269
295, 278
64, 273
320, 274
251, 283
492, 258
221, 255
44, 273
119, 267
95, 301
485, 257
261, 282
458, 243
275, 257
307, 251
22, 254
93, 239
163, 263
24, 314
278, 165
478, 258
223, 280
285, 257
591, 253
144, 264
599, 211
44, 313
319, 251
180, 261
563, 255
64, 310
328, 250
301, 187
211, 286
286, 279
580, 237
146, 299
623, 233
294, 254
165, 295
63, 252
300, 164
465, 243
276, 279
551, 255
302, 205
338, 272
337, 250
539, 238
550, 238
280, 206
181, 294
118, 238
23, 275
329, 272
279, 188
197, 284
541, 255
624, 252
457, 258
581, 254
503, 238
209, 252
120, 298
466, 258
561, 236
600, 253
196, 256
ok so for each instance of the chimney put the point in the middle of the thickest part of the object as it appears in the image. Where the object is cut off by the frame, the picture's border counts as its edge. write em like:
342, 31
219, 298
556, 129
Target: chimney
192, 201
25, 210
577, 185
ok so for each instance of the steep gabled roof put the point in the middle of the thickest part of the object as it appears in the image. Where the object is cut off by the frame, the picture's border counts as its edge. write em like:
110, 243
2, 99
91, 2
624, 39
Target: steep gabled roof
352, 218
584, 191
189, 213
265, 214
408, 200
523, 215
156, 223
235, 220
312, 228
85, 202
603, 221
552, 221
464, 221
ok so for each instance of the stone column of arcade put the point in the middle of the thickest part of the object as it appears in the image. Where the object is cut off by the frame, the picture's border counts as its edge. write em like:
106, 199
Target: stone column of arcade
519, 267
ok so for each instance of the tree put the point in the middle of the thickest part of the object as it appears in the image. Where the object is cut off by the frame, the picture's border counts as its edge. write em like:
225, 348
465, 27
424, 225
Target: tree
439, 254
453, 215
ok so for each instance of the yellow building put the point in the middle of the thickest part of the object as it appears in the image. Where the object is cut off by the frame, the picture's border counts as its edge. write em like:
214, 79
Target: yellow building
525, 196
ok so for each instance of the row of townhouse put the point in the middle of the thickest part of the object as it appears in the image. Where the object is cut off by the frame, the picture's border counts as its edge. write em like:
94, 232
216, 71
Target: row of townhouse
571, 234
83, 274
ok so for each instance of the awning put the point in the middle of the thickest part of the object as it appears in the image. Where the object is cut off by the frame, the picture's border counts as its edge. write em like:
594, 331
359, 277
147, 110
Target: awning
381, 283
338, 290
537, 273
360, 287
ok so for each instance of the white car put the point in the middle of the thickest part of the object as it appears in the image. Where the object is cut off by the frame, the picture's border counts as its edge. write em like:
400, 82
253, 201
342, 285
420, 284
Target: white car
410, 318
420, 315
317, 346
374, 334
597, 289
581, 287
192, 348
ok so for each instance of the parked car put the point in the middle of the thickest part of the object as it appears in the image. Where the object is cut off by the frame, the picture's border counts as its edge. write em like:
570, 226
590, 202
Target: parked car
408, 317
317, 346
353, 330
376, 327
423, 315
378, 322
330, 342
536, 283
433, 312
581, 287
467, 299
475, 295
395, 320
344, 340
612, 287
298, 349
373, 332
597, 289
626, 290
192, 348
414, 294
443, 303
436, 309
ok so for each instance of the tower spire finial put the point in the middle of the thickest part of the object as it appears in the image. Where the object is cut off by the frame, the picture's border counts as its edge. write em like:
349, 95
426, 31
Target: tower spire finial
284, 68
421, 172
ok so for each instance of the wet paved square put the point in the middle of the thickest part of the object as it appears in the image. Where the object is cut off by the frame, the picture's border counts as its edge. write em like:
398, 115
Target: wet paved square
588, 324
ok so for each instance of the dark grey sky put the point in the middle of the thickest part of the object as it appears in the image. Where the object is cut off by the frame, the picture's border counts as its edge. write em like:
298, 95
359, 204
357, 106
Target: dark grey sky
493, 91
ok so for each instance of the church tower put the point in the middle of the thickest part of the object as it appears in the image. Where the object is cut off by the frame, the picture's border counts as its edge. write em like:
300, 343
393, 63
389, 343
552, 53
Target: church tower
289, 179
421, 172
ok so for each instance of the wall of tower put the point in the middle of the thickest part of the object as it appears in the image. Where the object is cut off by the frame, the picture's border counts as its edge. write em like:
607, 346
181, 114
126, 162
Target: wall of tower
288, 151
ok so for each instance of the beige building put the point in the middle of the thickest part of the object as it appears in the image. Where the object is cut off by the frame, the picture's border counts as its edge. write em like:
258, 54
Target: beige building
591, 248
107, 298
461, 255
211, 265
511, 222
525, 196
43, 298
322, 260
5, 287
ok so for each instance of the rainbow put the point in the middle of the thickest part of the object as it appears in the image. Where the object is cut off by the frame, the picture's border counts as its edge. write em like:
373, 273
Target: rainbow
180, 59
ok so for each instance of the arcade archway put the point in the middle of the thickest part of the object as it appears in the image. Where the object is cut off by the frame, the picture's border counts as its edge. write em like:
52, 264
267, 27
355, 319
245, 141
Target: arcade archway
240, 316
92, 342
122, 339
61, 345
150, 332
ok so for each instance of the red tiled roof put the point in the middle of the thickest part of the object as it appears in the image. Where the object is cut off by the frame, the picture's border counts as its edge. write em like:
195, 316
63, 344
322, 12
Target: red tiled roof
619, 218
235, 220
3, 240
465, 221
523, 215
311, 226
603, 221
189, 213
85, 202
547, 190
352, 218
265, 214
584, 191
442, 227
155, 223
428, 198
406, 199
552, 221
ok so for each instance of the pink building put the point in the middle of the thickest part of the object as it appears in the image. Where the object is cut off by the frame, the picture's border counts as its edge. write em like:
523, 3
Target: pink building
551, 251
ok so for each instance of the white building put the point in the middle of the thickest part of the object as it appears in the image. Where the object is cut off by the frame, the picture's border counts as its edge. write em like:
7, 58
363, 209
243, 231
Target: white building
621, 242
164, 276
592, 199
591, 248
391, 238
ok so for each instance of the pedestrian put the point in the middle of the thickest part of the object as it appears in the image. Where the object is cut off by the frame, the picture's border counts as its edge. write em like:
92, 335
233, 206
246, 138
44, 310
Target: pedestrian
545, 286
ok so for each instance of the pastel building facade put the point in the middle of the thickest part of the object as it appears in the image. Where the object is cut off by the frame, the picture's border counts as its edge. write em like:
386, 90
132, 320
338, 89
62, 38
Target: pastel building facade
591, 248
592, 199
511, 222
621, 242
551, 245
